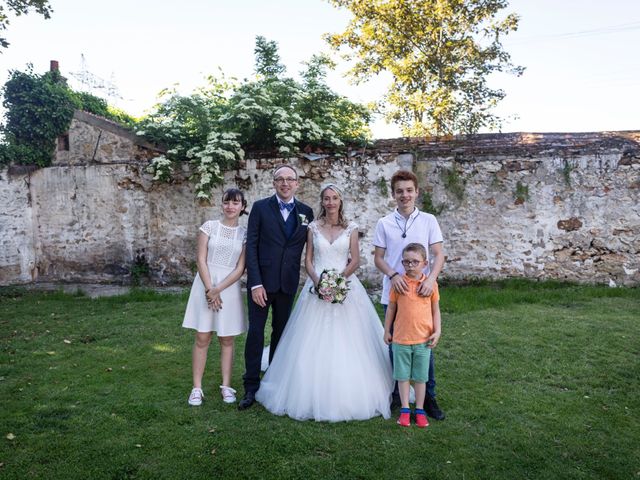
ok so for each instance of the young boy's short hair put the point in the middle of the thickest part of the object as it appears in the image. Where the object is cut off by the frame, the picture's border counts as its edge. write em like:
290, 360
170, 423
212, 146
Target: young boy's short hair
403, 175
416, 248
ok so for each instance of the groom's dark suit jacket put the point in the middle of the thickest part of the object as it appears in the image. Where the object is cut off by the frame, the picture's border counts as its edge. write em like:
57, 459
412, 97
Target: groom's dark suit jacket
273, 260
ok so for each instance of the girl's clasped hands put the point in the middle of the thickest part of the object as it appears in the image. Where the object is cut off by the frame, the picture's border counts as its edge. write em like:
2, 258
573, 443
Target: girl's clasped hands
213, 299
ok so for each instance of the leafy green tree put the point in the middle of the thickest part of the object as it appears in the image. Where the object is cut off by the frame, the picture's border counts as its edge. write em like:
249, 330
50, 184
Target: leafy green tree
344, 121
39, 108
440, 54
268, 58
20, 7
277, 111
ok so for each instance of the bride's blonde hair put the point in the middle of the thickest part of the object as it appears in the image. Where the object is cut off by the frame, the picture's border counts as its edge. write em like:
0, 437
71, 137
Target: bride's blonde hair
342, 221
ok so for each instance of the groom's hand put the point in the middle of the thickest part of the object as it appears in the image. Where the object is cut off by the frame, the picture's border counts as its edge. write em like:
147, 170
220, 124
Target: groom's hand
259, 296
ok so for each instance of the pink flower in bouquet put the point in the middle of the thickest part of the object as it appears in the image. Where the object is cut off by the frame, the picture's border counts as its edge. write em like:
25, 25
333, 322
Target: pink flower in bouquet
332, 287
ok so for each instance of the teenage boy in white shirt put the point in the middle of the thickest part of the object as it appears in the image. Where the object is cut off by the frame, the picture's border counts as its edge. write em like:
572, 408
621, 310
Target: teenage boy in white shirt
405, 225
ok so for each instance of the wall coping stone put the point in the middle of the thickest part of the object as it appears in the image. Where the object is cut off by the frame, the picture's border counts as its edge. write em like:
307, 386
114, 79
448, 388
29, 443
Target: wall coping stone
520, 144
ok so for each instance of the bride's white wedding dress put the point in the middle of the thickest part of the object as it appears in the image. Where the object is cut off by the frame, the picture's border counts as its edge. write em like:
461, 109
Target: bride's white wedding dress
331, 363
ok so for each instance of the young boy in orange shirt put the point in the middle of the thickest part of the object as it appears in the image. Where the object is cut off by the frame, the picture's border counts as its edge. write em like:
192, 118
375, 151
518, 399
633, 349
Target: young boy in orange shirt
416, 330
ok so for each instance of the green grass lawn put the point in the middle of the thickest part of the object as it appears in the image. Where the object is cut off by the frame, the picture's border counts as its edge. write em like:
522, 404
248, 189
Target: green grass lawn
538, 380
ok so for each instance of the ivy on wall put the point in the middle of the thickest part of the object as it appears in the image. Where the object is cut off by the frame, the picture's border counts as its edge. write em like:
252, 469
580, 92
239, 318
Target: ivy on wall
39, 109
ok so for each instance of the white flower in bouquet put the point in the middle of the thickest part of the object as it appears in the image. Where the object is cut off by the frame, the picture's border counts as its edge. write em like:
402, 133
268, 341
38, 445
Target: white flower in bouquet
332, 287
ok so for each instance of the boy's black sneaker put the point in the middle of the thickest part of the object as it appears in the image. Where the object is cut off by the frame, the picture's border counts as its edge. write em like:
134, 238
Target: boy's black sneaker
432, 408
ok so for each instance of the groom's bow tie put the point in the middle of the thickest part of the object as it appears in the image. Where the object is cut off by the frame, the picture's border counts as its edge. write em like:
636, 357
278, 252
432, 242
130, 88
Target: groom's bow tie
286, 206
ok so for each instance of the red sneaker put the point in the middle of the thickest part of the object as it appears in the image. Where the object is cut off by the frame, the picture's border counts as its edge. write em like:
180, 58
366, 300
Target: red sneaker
405, 417
421, 419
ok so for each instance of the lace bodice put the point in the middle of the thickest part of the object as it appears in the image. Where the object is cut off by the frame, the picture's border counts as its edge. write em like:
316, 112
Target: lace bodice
225, 243
328, 255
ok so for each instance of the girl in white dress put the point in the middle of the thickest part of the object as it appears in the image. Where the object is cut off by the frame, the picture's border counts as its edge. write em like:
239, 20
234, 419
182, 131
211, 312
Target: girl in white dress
215, 303
331, 363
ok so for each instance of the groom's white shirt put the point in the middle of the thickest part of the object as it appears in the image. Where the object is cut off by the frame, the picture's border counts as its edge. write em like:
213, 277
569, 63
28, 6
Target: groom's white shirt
283, 211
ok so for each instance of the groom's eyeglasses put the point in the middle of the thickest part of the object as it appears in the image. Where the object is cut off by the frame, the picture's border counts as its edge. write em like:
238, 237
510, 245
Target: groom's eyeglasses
281, 180
410, 263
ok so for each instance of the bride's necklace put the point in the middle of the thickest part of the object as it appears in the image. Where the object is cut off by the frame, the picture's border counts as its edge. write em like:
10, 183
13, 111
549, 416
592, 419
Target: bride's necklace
406, 227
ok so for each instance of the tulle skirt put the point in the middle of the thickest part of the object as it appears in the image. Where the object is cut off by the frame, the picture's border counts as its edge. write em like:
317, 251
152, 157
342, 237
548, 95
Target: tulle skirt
331, 363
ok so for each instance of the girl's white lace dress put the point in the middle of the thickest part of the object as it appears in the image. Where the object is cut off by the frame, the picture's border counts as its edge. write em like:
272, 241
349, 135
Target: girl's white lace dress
224, 248
331, 363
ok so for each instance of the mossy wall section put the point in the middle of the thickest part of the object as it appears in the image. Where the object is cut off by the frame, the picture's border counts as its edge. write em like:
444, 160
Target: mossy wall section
86, 218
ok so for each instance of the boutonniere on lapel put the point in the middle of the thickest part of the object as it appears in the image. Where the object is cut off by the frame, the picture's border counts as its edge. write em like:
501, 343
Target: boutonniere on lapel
304, 221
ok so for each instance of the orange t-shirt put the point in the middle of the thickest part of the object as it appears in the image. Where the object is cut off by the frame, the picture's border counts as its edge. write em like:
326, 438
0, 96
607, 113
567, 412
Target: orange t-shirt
414, 320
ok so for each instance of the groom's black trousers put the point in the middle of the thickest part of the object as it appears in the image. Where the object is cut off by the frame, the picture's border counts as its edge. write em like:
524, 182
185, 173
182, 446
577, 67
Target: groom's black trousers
280, 305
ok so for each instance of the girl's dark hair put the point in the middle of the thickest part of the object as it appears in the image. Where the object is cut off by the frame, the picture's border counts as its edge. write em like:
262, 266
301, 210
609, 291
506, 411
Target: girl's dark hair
235, 195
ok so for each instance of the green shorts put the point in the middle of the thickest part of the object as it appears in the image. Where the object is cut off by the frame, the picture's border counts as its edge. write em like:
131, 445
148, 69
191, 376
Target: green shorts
411, 362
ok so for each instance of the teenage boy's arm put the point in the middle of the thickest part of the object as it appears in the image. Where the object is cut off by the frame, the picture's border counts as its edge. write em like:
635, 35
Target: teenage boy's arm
388, 321
433, 339
437, 253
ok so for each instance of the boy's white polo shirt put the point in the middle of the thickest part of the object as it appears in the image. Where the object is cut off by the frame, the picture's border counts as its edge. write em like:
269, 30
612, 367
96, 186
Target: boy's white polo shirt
420, 227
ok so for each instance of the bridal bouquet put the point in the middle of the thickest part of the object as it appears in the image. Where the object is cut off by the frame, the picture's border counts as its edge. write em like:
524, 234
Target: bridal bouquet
332, 287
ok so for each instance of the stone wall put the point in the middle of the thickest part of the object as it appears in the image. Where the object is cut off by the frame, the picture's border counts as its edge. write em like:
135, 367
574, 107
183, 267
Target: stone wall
547, 206
561, 206
17, 249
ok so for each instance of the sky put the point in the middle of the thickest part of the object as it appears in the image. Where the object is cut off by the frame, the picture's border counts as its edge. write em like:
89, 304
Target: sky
582, 66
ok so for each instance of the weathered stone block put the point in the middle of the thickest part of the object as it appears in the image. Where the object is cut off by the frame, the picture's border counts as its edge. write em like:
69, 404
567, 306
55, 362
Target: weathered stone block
570, 225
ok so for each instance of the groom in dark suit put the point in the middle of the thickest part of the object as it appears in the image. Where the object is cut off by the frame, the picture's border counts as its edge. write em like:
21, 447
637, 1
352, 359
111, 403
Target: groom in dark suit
276, 235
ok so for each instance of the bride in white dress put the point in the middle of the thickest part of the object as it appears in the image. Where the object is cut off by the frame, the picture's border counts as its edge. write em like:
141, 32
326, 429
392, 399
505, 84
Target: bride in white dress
331, 363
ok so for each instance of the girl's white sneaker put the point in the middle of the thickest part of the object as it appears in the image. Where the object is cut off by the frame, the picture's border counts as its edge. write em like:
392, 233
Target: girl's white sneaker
228, 394
195, 399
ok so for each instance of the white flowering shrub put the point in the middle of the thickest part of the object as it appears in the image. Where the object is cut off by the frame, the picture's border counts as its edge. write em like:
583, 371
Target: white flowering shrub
161, 168
212, 127
220, 149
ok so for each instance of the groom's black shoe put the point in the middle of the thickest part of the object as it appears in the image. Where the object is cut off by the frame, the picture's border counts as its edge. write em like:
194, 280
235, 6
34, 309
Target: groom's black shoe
248, 400
432, 408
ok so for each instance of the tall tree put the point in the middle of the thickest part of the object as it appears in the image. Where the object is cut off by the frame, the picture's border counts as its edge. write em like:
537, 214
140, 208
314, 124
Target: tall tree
267, 58
20, 7
440, 54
